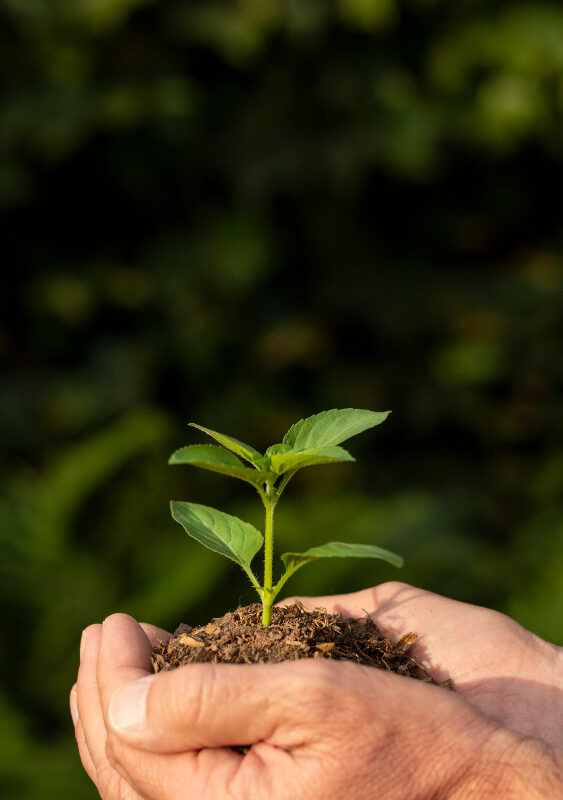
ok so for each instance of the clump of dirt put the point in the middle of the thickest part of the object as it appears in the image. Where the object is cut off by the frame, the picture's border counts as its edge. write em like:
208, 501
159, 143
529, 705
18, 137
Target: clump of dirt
239, 638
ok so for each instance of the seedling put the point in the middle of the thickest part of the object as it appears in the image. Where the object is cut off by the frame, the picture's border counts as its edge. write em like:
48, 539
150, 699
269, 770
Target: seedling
311, 441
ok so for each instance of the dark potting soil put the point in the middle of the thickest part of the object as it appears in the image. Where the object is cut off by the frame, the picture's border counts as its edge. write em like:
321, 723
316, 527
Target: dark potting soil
239, 638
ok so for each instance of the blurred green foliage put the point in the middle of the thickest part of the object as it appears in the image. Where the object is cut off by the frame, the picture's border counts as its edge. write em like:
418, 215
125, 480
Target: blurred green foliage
243, 212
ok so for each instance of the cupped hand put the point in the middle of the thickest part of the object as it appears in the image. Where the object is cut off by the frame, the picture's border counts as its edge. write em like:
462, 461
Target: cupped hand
314, 728
504, 670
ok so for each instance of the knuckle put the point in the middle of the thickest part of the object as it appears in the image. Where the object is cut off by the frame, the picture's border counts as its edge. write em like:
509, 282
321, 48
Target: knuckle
334, 693
315, 685
189, 688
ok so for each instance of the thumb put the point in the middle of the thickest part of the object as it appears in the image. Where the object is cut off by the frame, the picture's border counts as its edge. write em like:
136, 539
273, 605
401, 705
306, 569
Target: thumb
214, 705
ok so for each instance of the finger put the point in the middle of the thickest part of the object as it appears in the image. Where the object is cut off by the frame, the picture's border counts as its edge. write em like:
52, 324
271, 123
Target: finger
446, 629
155, 634
171, 776
125, 656
73, 705
355, 604
216, 705
397, 609
91, 730
85, 756
465, 636
124, 661
87, 696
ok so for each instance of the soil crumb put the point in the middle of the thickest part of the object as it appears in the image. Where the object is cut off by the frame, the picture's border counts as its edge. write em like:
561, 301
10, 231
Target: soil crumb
239, 638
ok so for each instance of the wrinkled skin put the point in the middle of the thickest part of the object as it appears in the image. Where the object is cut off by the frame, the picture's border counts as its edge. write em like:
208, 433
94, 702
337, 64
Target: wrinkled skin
322, 729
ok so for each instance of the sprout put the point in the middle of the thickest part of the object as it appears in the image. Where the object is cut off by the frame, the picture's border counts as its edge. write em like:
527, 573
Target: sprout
314, 440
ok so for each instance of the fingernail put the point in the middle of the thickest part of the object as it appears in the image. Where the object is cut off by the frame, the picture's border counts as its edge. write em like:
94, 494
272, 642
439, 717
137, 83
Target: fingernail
73, 707
128, 706
83, 644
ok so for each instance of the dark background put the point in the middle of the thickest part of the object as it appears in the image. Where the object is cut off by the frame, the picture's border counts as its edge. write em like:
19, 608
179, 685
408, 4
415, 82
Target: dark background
240, 214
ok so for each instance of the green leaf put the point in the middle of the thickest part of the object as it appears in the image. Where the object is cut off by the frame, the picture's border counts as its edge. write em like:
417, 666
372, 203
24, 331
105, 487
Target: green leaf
274, 449
217, 459
283, 462
293, 561
241, 449
332, 427
218, 531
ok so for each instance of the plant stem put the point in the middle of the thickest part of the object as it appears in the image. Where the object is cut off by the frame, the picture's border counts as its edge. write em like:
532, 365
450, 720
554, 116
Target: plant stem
268, 596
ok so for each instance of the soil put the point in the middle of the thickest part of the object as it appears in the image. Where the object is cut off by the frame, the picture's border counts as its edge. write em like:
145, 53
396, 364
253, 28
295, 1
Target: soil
239, 638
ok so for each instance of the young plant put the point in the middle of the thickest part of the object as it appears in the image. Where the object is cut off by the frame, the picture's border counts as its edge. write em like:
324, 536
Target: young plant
311, 441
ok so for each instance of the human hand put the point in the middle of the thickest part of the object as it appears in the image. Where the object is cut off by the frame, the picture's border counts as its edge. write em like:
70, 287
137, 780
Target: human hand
509, 674
316, 729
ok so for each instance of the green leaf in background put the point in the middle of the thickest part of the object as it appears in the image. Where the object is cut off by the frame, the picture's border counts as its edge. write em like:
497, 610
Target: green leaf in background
243, 450
293, 561
217, 459
218, 531
332, 427
283, 462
